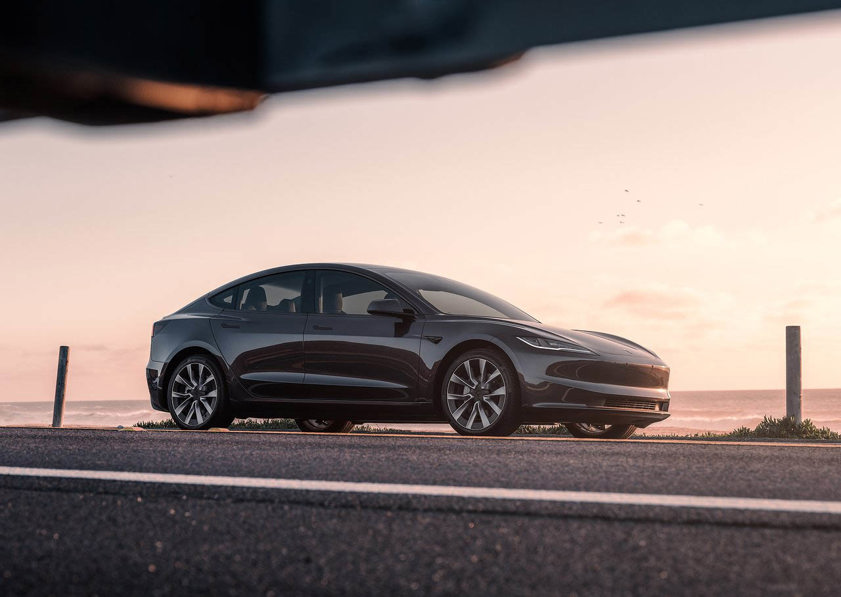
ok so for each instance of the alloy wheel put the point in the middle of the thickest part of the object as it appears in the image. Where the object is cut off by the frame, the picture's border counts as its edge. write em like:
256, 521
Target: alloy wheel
600, 430
325, 425
195, 394
476, 394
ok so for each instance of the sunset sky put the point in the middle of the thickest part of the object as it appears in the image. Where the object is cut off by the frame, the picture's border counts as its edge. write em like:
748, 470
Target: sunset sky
728, 141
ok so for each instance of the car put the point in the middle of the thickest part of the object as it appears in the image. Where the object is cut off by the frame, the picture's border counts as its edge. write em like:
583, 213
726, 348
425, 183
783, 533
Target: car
332, 345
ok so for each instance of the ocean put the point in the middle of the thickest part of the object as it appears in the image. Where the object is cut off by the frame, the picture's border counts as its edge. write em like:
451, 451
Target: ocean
690, 411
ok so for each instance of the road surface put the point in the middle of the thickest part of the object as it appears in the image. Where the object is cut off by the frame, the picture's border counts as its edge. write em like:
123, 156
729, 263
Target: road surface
162, 512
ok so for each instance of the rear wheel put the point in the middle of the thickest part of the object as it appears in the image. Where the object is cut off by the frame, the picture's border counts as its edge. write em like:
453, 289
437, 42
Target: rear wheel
597, 431
480, 394
324, 425
196, 395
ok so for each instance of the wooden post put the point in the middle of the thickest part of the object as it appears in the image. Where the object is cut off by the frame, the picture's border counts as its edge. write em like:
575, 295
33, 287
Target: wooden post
794, 393
60, 384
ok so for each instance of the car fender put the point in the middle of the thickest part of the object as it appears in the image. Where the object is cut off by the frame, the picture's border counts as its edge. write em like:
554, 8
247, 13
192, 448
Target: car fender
166, 348
436, 355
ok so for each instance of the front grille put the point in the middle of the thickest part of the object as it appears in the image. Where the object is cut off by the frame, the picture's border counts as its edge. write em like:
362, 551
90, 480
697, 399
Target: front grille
630, 403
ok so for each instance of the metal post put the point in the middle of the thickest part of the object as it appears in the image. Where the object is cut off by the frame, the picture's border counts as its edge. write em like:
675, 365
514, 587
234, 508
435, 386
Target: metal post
60, 384
794, 394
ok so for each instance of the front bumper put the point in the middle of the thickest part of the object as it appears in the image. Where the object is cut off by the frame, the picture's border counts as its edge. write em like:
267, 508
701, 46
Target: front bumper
610, 389
591, 414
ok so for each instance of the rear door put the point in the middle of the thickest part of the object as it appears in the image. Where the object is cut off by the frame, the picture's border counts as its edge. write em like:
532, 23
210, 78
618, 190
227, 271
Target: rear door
352, 356
262, 336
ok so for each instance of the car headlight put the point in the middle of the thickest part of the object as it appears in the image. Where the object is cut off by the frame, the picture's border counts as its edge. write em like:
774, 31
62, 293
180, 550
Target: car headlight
554, 344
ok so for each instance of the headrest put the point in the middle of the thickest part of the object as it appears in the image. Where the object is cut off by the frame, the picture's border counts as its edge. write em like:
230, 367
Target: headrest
332, 301
286, 306
256, 295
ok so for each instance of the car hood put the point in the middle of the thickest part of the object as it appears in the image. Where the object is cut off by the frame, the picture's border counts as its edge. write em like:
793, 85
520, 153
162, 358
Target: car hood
599, 342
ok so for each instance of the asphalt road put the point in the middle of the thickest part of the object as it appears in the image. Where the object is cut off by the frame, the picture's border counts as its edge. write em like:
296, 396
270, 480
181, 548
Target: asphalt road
159, 535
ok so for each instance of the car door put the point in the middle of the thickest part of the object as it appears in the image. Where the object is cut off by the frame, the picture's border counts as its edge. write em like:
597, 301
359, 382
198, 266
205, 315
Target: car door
262, 336
353, 356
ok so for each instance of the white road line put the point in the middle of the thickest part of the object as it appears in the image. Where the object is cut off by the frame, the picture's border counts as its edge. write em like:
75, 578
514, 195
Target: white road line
495, 493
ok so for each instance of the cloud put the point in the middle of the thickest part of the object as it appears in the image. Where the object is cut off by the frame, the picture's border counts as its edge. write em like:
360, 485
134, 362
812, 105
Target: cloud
91, 348
675, 232
830, 211
813, 304
789, 312
657, 303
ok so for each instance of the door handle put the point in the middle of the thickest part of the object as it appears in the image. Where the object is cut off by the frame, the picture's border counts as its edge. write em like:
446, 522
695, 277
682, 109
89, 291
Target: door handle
322, 327
229, 325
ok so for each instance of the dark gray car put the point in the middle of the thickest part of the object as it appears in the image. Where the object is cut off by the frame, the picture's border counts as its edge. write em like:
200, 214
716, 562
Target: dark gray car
332, 345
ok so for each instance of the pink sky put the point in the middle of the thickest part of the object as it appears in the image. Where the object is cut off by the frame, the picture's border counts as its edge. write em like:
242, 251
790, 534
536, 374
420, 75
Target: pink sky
499, 180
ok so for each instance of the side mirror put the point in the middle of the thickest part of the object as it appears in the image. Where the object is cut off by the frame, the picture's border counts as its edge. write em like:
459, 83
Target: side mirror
390, 307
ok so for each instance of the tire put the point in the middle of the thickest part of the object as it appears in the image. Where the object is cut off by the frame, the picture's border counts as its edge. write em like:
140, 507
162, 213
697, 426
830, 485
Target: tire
587, 430
196, 395
324, 425
480, 394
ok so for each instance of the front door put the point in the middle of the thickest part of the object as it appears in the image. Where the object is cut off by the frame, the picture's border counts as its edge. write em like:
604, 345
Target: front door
352, 355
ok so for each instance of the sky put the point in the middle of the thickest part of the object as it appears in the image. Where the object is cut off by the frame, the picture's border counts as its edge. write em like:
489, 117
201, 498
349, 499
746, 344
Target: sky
720, 146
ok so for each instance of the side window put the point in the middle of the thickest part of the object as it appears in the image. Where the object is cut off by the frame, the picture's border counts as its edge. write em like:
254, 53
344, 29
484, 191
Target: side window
280, 293
341, 293
224, 299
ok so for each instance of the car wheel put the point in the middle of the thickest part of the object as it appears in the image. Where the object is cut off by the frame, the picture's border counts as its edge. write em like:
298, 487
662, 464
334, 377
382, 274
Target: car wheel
197, 396
324, 425
480, 394
585, 430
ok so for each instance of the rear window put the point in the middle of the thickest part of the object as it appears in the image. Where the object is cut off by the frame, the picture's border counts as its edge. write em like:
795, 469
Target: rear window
224, 299
280, 293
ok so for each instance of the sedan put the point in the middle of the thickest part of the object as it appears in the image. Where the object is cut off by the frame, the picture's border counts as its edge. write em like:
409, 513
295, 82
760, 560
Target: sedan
332, 345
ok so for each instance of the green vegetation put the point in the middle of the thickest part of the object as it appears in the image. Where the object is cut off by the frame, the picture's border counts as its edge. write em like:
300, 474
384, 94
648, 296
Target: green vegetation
167, 424
289, 425
786, 428
769, 428
542, 430
266, 425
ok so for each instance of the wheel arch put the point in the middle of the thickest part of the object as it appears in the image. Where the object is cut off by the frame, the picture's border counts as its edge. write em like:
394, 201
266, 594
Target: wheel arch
183, 353
459, 349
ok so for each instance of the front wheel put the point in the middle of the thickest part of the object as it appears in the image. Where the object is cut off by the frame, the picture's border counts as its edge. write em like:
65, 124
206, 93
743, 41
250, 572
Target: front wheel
480, 394
324, 425
589, 430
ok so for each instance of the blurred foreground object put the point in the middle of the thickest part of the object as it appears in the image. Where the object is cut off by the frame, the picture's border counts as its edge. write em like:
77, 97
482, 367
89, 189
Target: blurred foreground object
106, 62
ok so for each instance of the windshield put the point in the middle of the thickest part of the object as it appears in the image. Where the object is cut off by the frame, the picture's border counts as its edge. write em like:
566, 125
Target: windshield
455, 298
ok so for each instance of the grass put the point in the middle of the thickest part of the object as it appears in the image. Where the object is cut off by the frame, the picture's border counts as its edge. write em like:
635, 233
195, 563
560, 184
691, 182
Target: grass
266, 425
167, 424
543, 430
786, 428
289, 425
769, 428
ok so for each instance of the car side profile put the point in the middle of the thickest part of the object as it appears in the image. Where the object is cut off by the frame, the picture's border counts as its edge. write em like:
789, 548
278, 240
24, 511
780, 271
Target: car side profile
332, 345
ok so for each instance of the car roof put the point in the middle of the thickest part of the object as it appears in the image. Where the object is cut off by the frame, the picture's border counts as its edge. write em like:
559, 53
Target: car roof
377, 269
381, 270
